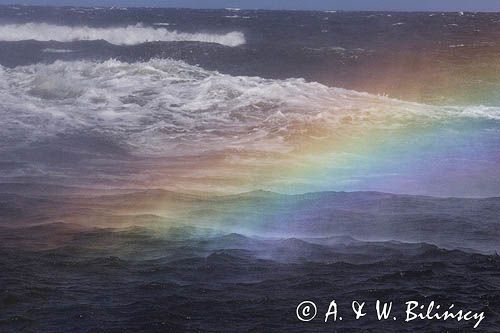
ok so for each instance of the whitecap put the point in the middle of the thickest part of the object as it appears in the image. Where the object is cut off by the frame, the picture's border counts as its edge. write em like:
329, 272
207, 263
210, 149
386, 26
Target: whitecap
129, 35
157, 105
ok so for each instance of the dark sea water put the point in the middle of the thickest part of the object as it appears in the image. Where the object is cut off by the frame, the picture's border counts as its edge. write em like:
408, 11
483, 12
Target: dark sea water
437, 57
141, 151
159, 275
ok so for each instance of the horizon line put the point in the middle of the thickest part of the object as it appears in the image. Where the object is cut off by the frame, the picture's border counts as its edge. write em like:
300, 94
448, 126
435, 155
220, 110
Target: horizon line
235, 9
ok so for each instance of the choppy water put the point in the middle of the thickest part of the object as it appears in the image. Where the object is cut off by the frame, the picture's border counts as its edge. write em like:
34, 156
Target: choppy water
100, 281
104, 110
179, 98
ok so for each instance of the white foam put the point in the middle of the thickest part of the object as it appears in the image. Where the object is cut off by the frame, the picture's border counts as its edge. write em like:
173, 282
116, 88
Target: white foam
129, 35
168, 107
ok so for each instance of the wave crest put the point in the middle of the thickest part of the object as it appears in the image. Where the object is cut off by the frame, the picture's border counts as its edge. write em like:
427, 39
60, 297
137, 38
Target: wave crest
165, 123
156, 105
129, 35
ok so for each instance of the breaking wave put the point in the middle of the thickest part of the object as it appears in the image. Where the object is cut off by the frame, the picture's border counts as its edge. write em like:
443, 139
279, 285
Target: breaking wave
156, 105
129, 35
167, 122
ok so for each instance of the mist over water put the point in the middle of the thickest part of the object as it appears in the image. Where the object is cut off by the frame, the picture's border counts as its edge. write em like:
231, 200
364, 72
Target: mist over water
161, 169
142, 115
196, 102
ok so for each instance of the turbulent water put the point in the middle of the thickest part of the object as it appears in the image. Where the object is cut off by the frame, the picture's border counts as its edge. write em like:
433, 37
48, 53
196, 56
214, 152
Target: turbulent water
195, 101
136, 143
129, 35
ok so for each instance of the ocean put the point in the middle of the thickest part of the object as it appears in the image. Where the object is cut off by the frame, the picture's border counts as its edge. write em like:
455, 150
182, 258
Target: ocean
179, 170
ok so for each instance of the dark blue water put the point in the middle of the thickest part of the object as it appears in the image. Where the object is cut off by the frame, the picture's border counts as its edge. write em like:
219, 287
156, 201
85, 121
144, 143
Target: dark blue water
107, 258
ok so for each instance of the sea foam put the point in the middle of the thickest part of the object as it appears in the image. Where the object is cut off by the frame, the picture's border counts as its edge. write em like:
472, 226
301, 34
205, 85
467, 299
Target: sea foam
154, 106
128, 35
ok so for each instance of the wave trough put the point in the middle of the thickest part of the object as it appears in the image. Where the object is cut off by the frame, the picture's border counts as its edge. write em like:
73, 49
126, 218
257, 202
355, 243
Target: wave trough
129, 35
